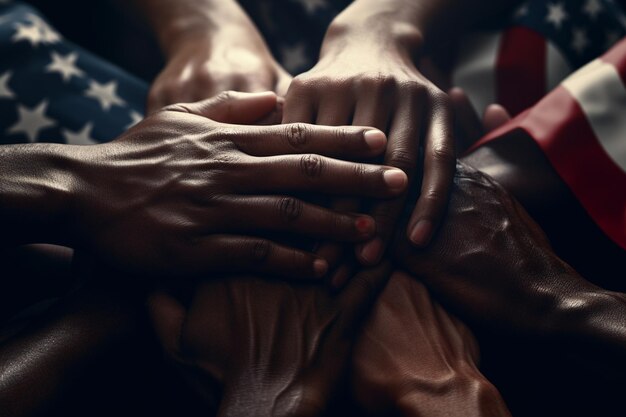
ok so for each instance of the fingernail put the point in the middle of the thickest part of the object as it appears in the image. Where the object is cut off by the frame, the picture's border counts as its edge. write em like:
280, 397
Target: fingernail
396, 179
420, 235
375, 139
372, 251
320, 266
365, 225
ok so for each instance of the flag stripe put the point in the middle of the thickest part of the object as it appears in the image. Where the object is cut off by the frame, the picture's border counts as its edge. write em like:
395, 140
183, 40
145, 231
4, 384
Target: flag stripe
601, 94
521, 69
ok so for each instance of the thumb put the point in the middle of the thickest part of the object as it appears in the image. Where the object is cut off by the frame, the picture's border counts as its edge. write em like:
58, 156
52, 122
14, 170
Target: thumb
494, 117
235, 108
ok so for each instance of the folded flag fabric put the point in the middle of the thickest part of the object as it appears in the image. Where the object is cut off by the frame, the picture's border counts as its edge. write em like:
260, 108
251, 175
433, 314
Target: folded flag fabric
581, 127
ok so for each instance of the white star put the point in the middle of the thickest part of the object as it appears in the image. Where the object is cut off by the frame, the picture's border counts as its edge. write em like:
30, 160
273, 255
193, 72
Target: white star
556, 14
134, 119
32, 121
38, 31
593, 8
30, 33
294, 57
82, 137
48, 34
580, 41
66, 66
311, 6
612, 37
105, 94
5, 91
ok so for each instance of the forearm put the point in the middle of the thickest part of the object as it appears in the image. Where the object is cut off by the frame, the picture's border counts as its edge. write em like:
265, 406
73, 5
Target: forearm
172, 21
413, 24
36, 192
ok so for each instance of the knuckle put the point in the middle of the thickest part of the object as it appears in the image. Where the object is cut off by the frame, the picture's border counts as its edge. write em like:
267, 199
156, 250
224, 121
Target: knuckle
297, 134
433, 194
224, 97
403, 159
343, 137
442, 153
377, 81
312, 165
290, 208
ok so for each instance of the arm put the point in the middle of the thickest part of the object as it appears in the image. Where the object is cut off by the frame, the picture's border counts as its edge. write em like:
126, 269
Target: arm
36, 192
210, 46
413, 24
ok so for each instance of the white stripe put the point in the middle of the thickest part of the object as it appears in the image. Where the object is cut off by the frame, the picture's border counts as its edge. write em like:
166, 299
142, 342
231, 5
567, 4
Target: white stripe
600, 92
476, 69
558, 68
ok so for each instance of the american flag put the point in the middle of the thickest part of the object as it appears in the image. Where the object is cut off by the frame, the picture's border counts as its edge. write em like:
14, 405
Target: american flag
51, 90
519, 60
581, 127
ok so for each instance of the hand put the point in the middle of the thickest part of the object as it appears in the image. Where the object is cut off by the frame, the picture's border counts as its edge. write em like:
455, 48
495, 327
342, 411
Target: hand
363, 81
492, 263
185, 192
430, 359
274, 349
201, 65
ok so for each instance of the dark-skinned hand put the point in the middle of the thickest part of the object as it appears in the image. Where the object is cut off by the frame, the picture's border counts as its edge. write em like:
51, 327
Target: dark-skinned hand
274, 349
492, 263
187, 191
415, 359
366, 78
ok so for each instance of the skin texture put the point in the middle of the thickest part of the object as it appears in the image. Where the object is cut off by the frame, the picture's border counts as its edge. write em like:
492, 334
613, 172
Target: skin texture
415, 358
210, 46
367, 75
178, 203
282, 350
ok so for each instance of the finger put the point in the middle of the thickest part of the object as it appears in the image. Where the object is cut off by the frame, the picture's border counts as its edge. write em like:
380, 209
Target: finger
494, 117
402, 152
301, 102
315, 173
288, 214
241, 254
360, 294
335, 110
275, 116
374, 108
233, 107
439, 168
466, 118
339, 256
167, 316
346, 142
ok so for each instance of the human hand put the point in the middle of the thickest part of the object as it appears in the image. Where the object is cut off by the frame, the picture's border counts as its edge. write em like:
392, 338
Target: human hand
429, 358
491, 263
202, 64
187, 192
366, 80
271, 348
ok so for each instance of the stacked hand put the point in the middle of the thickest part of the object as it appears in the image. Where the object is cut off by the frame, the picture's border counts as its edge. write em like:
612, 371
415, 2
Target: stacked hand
192, 192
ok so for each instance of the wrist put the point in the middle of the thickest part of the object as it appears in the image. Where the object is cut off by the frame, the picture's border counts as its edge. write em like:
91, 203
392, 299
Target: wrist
37, 192
375, 26
208, 25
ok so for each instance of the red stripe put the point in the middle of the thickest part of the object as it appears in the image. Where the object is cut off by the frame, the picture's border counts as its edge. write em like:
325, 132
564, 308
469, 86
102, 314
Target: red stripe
521, 69
561, 129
